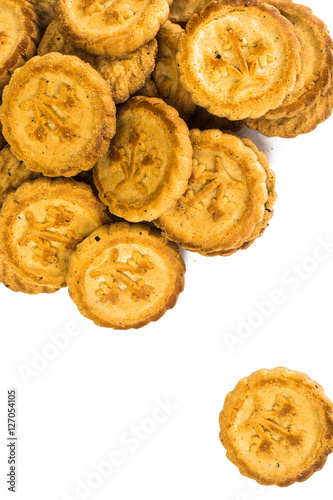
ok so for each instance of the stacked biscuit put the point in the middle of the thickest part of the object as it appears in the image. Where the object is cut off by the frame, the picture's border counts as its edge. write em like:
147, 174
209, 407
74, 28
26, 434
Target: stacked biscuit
73, 160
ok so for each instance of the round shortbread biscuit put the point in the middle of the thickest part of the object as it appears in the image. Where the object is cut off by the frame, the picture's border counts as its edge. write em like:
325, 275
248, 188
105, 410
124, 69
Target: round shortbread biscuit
225, 198
277, 426
125, 275
149, 161
40, 225
58, 115
110, 27
238, 58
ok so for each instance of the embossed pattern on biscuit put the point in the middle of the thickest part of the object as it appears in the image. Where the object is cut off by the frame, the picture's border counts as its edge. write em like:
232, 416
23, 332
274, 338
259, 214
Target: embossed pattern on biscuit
149, 161
225, 195
316, 59
124, 276
41, 224
238, 59
277, 426
58, 115
125, 75
110, 27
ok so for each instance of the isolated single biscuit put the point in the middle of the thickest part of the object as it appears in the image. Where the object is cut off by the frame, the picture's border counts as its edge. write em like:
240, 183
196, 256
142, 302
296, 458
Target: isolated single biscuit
225, 198
238, 58
125, 275
58, 115
149, 161
110, 27
40, 225
125, 75
277, 426
19, 37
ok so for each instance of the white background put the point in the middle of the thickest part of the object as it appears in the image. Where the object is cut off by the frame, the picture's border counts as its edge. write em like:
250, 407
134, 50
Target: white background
80, 407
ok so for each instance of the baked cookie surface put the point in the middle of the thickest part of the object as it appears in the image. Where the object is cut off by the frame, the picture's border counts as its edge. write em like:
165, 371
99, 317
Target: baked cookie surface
225, 198
125, 275
300, 112
57, 115
277, 426
166, 74
13, 173
110, 27
238, 58
148, 163
40, 225
125, 75
19, 37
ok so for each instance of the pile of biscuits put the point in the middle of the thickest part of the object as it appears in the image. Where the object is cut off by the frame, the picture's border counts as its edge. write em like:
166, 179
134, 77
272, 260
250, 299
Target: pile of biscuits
97, 198
80, 178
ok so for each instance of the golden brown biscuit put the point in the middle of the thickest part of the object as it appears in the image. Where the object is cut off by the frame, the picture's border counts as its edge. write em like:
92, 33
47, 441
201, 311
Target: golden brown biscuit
58, 115
19, 37
225, 199
238, 58
166, 75
269, 205
44, 10
12, 281
40, 225
277, 426
316, 59
303, 123
149, 161
13, 173
125, 75
110, 27
125, 276
308, 104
